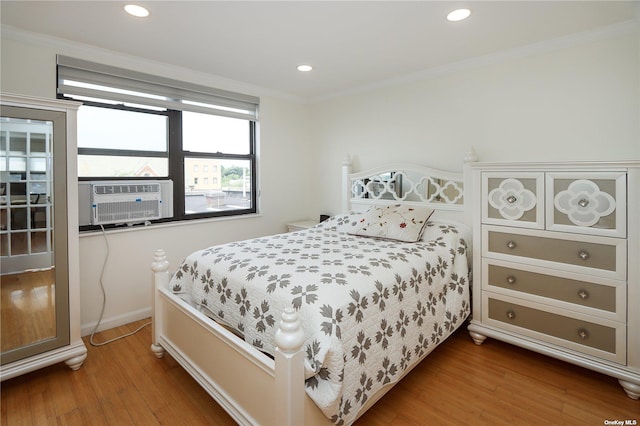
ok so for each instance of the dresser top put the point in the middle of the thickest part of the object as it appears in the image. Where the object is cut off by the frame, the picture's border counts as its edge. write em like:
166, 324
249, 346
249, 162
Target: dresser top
560, 165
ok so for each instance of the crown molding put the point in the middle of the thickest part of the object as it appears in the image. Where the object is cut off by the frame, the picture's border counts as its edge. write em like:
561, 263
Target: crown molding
587, 37
97, 54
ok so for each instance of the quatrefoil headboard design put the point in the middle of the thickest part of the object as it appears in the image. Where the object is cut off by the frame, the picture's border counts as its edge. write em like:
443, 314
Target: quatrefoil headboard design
407, 183
403, 185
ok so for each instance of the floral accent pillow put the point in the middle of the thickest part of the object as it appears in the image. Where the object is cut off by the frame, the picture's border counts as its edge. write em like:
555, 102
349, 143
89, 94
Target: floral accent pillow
397, 222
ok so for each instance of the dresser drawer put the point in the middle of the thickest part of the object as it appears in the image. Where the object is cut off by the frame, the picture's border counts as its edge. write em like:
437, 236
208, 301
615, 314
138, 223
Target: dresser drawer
588, 203
513, 199
601, 256
591, 337
605, 298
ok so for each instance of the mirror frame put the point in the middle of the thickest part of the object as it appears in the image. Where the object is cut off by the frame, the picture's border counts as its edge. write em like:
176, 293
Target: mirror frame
60, 233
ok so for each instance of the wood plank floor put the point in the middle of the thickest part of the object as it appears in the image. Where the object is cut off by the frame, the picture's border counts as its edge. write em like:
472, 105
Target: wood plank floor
459, 383
27, 298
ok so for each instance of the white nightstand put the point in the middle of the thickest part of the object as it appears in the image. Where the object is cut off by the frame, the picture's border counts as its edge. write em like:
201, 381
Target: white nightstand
300, 225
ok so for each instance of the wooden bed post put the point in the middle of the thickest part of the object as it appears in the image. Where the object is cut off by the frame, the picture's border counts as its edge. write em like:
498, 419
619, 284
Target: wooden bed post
160, 268
289, 360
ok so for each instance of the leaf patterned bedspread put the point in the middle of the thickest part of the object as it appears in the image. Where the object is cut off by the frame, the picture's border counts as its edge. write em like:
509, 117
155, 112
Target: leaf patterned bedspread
370, 308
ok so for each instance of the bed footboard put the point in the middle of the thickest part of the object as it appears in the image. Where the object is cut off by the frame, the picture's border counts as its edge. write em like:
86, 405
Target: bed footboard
250, 386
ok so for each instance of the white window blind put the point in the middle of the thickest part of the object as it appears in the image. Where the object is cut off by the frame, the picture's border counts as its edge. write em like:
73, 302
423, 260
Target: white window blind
80, 78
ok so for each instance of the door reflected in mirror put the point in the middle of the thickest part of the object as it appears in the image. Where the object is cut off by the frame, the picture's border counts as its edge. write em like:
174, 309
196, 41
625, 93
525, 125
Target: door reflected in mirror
28, 315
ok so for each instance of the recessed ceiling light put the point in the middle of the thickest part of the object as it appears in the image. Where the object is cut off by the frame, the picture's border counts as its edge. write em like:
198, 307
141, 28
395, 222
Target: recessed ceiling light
305, 68
458, 15
135, 10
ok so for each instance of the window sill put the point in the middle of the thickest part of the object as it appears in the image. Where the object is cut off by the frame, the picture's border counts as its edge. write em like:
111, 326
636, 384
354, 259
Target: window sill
158, 226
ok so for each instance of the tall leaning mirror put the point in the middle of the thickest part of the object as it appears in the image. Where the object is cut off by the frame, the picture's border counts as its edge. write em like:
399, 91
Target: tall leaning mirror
34, 238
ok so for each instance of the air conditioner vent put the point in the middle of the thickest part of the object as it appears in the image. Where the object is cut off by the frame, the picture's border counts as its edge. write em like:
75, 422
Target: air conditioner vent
126, 211
128, 201
126, 188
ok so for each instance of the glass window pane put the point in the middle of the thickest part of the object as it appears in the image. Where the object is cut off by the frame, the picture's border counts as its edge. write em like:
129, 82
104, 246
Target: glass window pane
38, 176
19, 243
38, 218
18, 193
213, 133
225, 185
17, 164
19, 218
39, 242
38, 164
18, 143
119, 129
3, 219
38, 145
4, 244
121, 166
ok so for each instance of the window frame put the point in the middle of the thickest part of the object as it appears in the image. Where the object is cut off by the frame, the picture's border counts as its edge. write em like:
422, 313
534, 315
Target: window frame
120, 152
176, 164
106, 86
179, 205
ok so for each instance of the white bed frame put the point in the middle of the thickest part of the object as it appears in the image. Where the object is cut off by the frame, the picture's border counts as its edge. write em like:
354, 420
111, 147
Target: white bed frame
253, 388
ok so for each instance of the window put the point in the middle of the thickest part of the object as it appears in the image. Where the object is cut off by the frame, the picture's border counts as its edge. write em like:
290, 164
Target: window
138, 126
134, 143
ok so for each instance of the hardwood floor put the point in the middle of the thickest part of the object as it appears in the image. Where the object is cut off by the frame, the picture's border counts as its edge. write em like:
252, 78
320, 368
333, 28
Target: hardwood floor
459, 383
27, 298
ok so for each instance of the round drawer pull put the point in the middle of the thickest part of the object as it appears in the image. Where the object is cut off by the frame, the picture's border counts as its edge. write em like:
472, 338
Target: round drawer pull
583, 202
583, 334
584, 255
511, 279
584, 294
511, 199
511, 244
511, 314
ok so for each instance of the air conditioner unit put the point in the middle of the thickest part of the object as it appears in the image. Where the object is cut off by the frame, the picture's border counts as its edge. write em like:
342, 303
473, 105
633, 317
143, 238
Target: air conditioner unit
128, 202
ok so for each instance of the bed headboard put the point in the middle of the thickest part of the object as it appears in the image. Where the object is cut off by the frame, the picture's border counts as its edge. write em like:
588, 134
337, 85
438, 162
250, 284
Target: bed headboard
446, 192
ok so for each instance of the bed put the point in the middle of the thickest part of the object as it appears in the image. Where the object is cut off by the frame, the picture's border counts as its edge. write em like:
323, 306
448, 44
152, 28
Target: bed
314, 326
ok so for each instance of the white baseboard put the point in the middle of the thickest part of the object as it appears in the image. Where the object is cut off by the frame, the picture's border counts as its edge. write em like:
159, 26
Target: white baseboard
108, 323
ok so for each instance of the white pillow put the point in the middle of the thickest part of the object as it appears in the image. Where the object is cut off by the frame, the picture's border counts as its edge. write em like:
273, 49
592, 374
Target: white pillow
396, 222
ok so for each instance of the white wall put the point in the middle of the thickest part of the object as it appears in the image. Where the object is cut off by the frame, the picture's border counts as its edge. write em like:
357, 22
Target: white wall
579, 102
28, 68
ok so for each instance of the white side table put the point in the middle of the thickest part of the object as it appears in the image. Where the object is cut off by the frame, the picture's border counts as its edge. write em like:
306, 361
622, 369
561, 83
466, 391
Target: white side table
300, 225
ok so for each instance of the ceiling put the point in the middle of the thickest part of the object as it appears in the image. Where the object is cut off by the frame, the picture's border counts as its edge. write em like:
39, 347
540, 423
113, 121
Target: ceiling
351, 44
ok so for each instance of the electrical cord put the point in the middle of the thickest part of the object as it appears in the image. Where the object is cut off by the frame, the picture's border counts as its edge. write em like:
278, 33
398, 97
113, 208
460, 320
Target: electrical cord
104, 302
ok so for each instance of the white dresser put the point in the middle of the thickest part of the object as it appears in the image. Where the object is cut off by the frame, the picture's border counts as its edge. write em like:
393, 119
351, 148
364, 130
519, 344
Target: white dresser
557, 262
